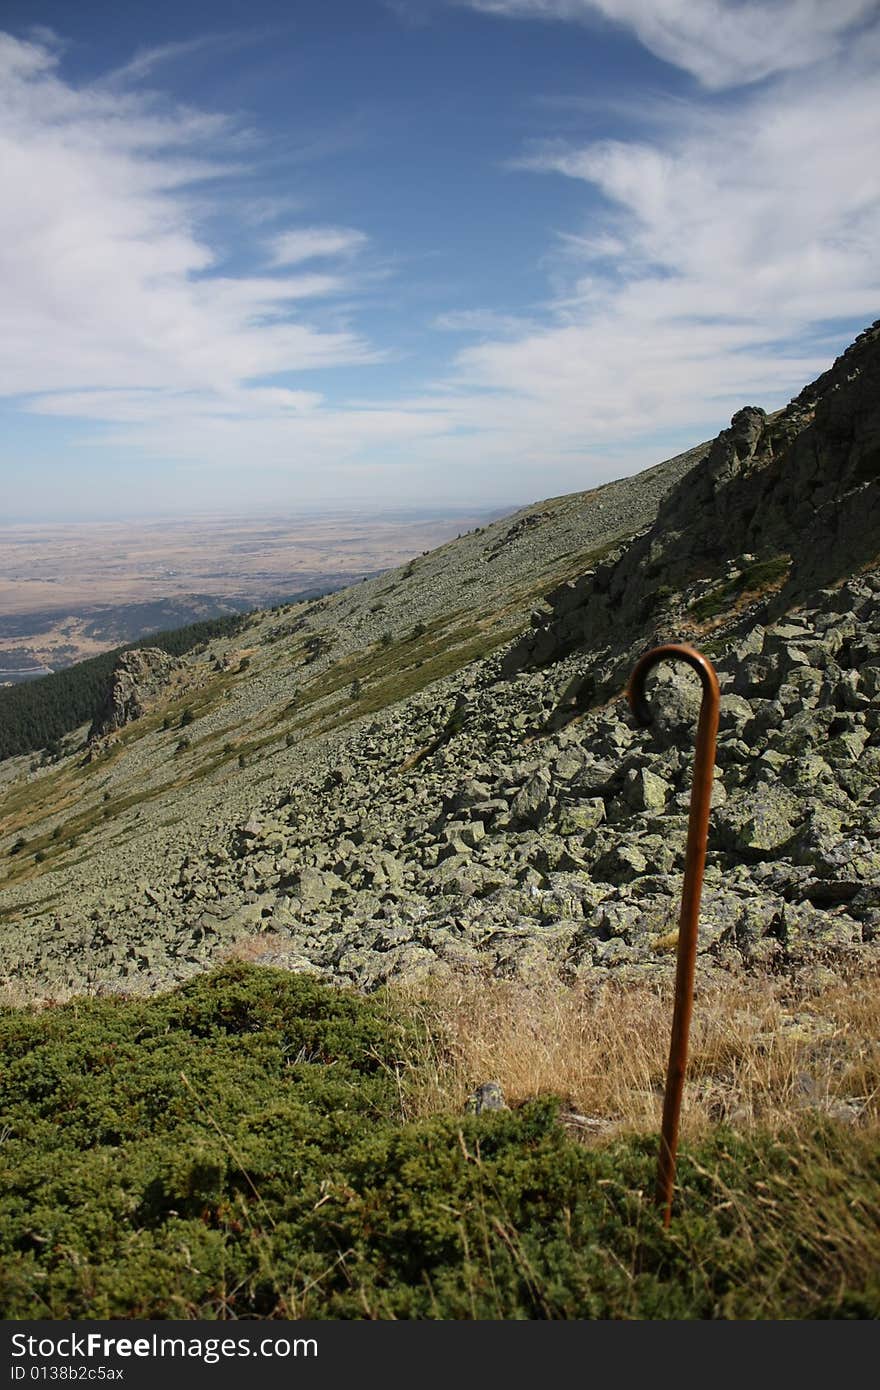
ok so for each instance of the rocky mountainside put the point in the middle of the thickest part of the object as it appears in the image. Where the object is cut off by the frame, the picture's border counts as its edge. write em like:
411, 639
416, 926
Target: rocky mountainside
798, 488
435, 769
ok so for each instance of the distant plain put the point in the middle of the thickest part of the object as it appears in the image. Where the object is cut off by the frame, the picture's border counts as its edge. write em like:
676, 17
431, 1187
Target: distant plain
69, 590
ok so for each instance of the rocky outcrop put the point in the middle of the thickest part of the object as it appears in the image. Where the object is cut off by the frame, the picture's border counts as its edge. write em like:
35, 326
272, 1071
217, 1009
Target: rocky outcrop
801, 486
139, 678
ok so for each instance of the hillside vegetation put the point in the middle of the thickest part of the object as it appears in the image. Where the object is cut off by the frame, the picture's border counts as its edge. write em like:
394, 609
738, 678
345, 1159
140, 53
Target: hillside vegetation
242, 1147
434, 770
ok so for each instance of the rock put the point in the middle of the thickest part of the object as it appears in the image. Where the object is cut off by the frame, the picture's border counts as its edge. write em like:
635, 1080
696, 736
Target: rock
567, 765
472, 833
531, 805
487, 1096
760, 820
384, 869
315, 888
645, 791
756, 677
584, 816
847, 745
750, 645
735, 713
139, 679
621, 864
674, 695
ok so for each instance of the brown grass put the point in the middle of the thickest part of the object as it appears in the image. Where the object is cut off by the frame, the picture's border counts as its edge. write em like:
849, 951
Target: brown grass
762, 1053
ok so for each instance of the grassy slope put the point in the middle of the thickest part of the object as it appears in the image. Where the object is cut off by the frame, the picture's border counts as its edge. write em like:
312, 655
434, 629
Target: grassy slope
240, 1147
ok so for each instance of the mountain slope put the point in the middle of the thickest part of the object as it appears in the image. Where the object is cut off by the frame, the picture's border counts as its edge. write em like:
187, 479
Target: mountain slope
398, 779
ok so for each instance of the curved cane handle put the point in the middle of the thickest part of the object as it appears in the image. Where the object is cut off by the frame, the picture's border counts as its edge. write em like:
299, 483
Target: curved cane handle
676, 651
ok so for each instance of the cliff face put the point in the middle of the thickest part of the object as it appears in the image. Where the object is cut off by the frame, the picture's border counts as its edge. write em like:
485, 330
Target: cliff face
804, 483
139, 679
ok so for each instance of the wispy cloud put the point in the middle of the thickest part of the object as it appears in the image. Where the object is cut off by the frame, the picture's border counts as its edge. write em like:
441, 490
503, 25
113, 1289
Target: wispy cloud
315, 243
482, 321
108, 276
707, 272
139, 407
147, 60
723, 43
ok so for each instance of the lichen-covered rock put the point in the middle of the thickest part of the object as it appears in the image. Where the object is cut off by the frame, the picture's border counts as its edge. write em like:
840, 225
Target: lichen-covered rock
760, 820
581, 816
643, 790
488, 1096
531, 805
314, 888
620, 864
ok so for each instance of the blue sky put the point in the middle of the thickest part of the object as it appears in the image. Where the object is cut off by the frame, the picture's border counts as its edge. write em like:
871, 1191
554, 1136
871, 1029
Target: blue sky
270, 256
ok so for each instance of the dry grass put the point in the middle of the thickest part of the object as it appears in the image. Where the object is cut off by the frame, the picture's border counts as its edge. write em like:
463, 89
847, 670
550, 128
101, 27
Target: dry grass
762, 1053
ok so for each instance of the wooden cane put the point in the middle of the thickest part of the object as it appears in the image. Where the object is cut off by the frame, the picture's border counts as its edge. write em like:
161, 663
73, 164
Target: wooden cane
695, 863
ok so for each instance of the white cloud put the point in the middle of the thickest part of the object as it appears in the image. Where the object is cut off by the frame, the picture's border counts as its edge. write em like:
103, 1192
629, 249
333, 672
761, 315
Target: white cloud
723, 43
481, 321
314, 243
108, 279
146, 60
766, 216
142, 407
